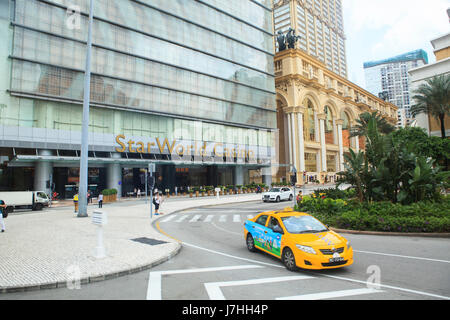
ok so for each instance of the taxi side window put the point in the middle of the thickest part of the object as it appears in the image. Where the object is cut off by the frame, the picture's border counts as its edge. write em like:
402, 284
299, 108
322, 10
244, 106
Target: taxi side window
273, 222
262, 220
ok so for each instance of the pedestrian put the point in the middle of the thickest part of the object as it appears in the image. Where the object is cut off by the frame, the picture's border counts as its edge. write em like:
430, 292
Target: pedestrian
88, 196
139, 193
157, 201
100, 200
75, 202
299, 197
2, 209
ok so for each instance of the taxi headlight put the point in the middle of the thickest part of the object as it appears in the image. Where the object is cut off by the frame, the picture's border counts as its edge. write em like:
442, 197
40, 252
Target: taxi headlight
306, 249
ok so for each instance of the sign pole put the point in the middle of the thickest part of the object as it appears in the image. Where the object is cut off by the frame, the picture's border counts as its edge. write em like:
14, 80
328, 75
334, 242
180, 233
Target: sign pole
146, 191
82, 192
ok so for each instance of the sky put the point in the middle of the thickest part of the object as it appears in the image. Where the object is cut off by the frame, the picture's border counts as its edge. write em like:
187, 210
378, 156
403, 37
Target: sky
380, 29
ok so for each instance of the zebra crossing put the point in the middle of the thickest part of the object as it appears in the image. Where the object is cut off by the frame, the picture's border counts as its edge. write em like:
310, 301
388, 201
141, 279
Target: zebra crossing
207, 218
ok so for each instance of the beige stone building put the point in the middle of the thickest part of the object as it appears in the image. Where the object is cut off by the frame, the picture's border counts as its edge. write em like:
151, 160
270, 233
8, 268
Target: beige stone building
316, 109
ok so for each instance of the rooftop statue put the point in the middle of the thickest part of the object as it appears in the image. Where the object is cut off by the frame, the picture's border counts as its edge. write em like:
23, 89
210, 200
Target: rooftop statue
281, 39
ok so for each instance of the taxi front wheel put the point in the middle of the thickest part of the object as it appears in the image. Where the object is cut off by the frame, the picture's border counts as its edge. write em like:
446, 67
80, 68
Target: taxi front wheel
250, 243
289, 259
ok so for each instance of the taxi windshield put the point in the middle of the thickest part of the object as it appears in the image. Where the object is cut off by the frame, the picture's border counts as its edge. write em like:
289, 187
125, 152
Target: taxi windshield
303, 224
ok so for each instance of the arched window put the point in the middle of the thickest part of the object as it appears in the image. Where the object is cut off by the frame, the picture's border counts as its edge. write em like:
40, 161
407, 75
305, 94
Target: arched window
329, 129
309, 128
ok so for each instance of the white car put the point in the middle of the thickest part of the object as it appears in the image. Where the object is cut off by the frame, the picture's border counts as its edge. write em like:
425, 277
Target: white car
278, 194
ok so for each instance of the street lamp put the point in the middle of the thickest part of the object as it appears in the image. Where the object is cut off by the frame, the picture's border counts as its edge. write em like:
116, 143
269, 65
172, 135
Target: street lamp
83, 187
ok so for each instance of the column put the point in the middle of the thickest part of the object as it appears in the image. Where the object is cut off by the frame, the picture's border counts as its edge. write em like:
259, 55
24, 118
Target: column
356, 144
323, 146
114, 175
335, 136
301, 143
43, 171
316, 126
238, 175
289, 146
340, 123
294, 142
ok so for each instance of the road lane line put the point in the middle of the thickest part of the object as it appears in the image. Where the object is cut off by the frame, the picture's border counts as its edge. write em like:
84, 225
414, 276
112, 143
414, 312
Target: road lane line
223, 218
209, 218
215, 293
236, 218
331, 294
154, 280
401, 256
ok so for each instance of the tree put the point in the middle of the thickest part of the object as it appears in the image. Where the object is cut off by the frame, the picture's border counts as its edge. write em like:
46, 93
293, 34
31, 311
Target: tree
433, 99
362, 123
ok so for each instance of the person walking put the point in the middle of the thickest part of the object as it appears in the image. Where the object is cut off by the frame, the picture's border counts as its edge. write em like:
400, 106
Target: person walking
139, 193
100, 200
157, 200
75, 202
2, 209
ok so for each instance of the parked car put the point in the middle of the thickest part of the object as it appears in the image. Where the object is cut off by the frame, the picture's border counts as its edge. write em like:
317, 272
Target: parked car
35, 200
278, 194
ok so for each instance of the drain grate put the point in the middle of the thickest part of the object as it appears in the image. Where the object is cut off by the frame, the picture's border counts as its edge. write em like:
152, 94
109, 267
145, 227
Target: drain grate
151, 242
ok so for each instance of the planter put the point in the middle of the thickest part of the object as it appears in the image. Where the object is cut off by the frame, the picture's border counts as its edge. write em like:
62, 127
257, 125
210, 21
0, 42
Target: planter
196, 193
191, 194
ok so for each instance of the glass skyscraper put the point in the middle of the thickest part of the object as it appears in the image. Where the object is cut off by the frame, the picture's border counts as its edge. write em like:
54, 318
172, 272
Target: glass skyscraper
320, 24
170, 79
391, 77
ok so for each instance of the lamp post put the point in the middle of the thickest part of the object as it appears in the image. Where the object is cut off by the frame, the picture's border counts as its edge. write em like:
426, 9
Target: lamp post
82, 192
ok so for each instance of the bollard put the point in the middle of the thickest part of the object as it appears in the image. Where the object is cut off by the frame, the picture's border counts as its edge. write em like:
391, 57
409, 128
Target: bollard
99, 218
217, 190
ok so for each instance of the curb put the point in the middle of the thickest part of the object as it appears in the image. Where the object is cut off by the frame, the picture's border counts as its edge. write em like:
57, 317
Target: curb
394, 234
93, 279
98, 278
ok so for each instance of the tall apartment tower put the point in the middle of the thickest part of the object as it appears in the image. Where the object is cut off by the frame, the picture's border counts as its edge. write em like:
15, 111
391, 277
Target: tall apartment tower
320, 25
390, 76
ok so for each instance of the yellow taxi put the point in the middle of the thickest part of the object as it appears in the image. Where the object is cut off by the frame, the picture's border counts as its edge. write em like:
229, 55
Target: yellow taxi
298, 239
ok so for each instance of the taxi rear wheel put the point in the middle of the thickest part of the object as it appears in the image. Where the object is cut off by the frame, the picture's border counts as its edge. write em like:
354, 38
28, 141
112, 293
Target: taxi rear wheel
250, 243
289, 259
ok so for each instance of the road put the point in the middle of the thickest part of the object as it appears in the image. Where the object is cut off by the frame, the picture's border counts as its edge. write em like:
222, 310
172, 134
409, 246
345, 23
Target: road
214, 263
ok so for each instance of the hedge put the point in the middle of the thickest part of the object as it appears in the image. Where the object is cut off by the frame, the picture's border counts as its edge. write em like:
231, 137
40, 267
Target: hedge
380, 216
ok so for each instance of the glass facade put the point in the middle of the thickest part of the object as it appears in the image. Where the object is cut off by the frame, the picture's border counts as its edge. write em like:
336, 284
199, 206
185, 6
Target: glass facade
189, 73
207, 61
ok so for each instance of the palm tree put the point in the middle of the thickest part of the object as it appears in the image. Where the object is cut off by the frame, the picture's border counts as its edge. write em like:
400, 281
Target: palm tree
433, 99
362, 123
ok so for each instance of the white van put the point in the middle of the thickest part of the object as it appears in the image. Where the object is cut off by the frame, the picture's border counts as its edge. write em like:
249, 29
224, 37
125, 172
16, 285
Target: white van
35, 200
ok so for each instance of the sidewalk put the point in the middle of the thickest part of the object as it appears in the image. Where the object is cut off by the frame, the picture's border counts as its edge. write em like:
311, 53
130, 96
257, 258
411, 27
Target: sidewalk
46, 249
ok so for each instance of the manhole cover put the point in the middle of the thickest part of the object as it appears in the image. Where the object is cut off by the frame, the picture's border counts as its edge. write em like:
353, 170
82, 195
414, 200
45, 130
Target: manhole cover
151, 242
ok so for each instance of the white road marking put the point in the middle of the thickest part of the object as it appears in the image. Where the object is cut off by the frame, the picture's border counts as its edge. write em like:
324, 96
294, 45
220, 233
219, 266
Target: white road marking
332, 294
209, 218
169, 218
183, 217
322, 275
214, 292
154, 280
400, 256
223, 218
250, 216
196, 218
236, 218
